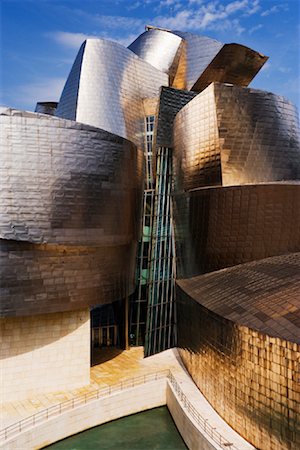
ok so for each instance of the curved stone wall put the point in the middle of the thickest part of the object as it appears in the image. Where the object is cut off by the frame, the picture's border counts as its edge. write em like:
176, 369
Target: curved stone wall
106, 88
223, 226
249, 376
70, 205
231, 135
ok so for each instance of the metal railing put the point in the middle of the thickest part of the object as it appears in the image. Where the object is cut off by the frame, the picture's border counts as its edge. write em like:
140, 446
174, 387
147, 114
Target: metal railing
60, 408
203, 423
67, 405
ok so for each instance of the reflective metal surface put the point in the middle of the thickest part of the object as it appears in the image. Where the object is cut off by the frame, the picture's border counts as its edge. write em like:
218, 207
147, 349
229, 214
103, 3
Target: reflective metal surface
231, 135
170, 102
160, 49
235, 64
46, 108
250, 377
78, 188
220, 227
196, 55
263, 295
106, 88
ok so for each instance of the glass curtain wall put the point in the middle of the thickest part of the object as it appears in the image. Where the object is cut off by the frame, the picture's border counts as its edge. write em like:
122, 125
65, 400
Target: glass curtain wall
161, 326
139, 300
152, 312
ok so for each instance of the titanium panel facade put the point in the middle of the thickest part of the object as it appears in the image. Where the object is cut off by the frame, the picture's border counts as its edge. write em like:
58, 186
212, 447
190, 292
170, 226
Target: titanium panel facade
231, 135
78, 190
235, 64
196, 55
159, 48
250, 377
263, 295
170, 102
106, 88
221, 227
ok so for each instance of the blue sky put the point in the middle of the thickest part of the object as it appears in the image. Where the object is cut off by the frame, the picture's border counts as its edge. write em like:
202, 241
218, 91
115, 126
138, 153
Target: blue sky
40, 38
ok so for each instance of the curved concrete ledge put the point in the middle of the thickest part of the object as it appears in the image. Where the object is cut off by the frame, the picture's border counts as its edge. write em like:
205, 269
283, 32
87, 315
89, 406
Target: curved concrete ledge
185, 402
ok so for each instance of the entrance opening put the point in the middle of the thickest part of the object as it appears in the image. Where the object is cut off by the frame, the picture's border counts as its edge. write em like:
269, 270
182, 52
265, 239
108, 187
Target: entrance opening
109, 330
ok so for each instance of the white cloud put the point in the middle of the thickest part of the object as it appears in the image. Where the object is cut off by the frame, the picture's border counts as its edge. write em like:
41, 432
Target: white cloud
275, 9
72, 40
28, 94
211, 16
256, 28
284, 69
266, 67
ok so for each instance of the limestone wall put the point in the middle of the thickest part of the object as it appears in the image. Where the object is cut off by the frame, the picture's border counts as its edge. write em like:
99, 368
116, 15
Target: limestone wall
44, 353
123, 403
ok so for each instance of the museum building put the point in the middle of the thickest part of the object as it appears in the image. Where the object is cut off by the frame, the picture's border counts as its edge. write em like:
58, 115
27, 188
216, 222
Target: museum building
157, 204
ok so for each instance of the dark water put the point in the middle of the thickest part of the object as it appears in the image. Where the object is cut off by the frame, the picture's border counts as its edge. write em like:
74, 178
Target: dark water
149, 430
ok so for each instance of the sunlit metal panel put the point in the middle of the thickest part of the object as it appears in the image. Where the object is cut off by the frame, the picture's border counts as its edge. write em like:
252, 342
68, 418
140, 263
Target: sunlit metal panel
238, 336
220, 227
232, 135
160, 49
106, 88
74, 193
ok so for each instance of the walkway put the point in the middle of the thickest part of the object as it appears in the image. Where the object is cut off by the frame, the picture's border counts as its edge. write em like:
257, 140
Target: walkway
113, 365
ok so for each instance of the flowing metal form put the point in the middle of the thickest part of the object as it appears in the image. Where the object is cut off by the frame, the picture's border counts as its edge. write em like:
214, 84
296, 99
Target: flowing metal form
220, 227
235, 64
171, 101
159, 48
106, 88
197, 53
193, 62
69, 214
238, 336
228, 135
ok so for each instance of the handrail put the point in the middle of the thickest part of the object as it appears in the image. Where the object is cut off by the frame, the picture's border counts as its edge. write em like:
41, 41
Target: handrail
203, 423
59, 408
127, 383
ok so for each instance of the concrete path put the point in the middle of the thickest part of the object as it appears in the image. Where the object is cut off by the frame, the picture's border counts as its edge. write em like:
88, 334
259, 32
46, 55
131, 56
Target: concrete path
113, 365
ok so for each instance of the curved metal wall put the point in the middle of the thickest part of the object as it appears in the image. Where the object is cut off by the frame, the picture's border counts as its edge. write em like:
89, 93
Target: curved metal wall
197, 54
106, 88
76, 189
235, 64
159, 48
231, 135
220, 227
249, 377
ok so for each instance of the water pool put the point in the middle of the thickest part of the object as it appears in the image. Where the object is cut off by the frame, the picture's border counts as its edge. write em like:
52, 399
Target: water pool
149, 430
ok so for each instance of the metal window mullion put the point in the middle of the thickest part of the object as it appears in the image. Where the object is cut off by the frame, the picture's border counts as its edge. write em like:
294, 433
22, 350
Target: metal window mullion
163, 238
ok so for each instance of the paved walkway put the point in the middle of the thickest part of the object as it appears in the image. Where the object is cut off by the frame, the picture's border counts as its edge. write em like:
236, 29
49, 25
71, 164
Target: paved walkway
112, 366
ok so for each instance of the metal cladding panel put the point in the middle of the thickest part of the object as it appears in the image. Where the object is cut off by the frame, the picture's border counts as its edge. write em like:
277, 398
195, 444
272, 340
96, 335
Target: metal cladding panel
170, 102
263, 295
159, 48
250, 378
67, 106
113, 82
235, 64
196, 55
68, 184
224, 226
48, 278
231, 135
46, 108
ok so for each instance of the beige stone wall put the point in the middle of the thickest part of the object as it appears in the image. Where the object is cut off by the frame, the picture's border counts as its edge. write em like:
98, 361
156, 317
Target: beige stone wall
130, 401
44, 353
